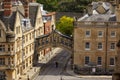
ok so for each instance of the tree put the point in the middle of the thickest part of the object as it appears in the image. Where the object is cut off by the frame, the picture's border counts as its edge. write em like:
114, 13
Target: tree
65, 25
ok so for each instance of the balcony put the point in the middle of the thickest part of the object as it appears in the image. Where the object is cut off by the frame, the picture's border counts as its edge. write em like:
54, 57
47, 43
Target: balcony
10, 53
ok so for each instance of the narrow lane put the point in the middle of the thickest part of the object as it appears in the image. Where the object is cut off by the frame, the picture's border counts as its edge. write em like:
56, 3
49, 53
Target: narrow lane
51, 72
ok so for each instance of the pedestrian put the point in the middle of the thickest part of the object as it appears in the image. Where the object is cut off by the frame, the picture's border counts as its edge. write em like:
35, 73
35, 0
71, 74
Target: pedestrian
56, 64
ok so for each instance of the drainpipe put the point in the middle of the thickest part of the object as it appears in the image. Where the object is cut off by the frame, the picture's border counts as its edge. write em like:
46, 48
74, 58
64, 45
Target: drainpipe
106, 48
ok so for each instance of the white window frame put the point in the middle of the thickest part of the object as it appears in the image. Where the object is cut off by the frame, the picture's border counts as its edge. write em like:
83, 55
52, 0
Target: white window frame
110, 61
111, 46
113, 35
100, 46
100, 35
86, 33
86, 45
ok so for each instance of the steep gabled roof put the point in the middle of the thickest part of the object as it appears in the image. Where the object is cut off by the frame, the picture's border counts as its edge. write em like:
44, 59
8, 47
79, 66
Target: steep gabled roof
8, 21
32, 14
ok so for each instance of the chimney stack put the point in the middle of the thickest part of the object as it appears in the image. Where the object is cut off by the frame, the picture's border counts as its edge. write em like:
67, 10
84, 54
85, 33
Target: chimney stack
26, 8
7, 8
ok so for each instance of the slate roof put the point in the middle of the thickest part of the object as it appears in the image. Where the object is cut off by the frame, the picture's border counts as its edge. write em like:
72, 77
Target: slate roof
32, 14
106, 15
8, 21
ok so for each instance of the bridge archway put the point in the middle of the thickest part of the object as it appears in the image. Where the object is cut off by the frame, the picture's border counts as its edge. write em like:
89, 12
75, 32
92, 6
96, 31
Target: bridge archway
53, 39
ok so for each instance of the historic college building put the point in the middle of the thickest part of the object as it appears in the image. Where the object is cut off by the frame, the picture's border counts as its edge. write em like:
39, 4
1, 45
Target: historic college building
21, 22
95, 37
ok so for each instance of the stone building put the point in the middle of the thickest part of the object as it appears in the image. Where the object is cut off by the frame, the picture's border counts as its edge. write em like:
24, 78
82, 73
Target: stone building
20, 24
95, 38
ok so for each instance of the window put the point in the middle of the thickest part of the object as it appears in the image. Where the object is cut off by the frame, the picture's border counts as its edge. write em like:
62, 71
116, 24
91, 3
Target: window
2, 61
87, 59
30, 36
2, 75
99, 61
30, 47
87, 33
100, 33
16, 30
99, 46
112, 46
113, 34
112, 62
8, 47
87, 46
26, 38
2, 48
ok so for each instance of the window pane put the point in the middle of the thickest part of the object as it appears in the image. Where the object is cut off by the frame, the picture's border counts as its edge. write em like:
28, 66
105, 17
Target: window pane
112, 33
100, 33
112, 46
100, 45
111, 61
99, 60
86, 60
87, 33
87, 45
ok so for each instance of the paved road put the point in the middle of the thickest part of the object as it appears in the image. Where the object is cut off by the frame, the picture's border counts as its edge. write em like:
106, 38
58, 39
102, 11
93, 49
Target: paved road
53, 73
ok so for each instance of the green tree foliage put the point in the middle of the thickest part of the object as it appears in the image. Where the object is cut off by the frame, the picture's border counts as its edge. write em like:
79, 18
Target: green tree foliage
65, 25
65, 5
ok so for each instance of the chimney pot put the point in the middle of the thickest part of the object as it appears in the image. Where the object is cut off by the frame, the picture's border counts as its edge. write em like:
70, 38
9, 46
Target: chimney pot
7, 8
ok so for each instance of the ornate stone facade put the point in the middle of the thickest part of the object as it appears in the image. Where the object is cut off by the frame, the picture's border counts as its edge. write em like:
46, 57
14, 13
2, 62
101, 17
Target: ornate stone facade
20, 25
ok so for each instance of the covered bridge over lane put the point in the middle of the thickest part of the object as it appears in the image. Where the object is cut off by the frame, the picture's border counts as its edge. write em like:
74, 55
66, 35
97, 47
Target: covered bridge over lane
54, 39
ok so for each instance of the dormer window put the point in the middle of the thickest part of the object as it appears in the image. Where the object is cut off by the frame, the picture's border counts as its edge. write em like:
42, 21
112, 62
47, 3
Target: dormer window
26, 22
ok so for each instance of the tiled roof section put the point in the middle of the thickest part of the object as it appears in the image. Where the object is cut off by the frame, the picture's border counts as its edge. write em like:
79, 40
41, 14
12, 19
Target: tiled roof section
101, 12
8, 21
32, 14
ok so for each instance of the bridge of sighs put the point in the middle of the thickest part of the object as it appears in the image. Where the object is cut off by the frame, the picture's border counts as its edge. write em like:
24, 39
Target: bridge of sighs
53, 39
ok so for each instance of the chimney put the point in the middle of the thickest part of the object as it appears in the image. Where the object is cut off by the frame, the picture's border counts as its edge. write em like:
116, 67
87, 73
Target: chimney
7, 8
26, 8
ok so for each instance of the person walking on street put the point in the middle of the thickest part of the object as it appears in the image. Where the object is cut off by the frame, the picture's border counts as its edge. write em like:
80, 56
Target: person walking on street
56, 64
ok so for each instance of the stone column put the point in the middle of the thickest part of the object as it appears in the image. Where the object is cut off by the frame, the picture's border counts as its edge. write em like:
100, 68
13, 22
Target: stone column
116, 74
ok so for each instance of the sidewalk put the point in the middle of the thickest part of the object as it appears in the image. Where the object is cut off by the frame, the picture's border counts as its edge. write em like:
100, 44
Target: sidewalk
70, 72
